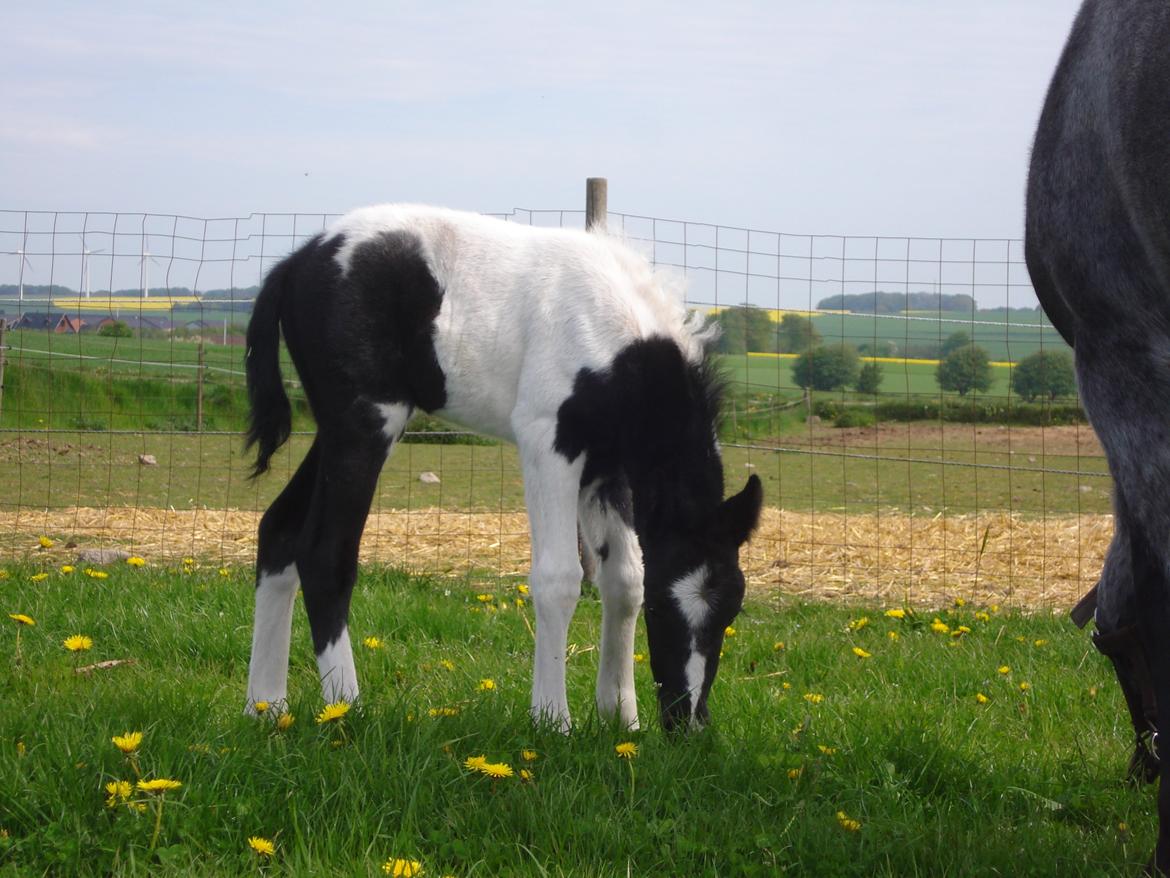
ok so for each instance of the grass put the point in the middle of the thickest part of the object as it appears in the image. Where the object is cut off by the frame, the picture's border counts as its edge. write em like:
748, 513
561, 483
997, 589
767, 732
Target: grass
1028, 783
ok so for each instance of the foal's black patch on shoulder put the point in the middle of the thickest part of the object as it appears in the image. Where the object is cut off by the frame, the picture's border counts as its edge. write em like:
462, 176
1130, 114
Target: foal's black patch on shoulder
646, 425
368, 334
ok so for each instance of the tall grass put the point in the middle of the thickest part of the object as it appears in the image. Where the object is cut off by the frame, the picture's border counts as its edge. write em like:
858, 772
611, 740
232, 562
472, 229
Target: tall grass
1029, 783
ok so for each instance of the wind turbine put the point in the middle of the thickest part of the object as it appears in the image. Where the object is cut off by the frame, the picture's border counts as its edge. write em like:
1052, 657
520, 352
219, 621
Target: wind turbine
144, 264
85, 254
23, 262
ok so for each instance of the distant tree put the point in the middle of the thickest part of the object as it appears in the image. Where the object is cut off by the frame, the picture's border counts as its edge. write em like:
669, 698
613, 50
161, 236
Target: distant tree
1044, 375
964, 370
869, 379
797, 334
828, 367
117, 329
881, 348
953, 342
746, 329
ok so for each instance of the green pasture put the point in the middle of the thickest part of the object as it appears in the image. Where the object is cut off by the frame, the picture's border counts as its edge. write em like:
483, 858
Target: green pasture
1008, 336
820, 760
910, 473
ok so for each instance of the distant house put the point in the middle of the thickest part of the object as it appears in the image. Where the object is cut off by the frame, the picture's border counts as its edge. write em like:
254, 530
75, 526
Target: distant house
55, 322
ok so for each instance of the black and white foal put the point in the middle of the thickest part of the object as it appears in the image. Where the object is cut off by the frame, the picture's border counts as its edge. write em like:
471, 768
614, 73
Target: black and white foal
561, 341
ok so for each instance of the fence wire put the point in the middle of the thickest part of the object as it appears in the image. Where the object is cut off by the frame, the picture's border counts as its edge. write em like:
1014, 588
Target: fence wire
123, 398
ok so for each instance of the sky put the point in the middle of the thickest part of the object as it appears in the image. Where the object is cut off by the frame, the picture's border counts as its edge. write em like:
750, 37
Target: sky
840, 117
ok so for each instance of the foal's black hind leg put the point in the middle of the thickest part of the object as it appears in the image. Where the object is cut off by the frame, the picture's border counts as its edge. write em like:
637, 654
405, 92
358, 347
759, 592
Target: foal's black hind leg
276, 585
327, 550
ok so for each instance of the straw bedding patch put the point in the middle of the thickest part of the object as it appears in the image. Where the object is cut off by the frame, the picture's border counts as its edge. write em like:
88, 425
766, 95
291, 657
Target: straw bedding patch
889, 558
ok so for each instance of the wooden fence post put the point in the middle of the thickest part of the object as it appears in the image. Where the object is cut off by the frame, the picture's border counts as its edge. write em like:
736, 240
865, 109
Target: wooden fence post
199, 391
596, 203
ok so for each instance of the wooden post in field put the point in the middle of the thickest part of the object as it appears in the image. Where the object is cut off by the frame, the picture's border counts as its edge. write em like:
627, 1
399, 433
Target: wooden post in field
199, 391
2, 352
596, 203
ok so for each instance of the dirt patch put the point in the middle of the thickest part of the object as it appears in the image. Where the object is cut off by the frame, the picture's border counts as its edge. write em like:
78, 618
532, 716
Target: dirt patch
1077, 439
886, 558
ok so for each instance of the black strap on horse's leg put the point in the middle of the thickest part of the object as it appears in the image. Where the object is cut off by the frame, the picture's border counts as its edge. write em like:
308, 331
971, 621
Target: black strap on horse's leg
1124, 649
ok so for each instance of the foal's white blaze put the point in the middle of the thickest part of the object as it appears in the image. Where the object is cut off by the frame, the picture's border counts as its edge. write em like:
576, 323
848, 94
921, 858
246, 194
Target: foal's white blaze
395, 416
696, 671
688, 594
268, 671
335, 664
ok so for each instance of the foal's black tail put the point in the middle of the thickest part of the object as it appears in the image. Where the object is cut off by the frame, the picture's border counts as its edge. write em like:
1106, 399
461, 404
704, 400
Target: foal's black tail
270, 417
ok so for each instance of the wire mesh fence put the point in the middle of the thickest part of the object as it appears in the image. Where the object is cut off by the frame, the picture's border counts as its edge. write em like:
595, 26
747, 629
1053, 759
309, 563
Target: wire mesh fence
123, 401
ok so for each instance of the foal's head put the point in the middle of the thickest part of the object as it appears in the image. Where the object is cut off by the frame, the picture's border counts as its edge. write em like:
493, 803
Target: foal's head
697, 591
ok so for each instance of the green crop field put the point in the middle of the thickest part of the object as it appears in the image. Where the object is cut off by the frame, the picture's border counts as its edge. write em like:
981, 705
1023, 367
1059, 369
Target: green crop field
837, 747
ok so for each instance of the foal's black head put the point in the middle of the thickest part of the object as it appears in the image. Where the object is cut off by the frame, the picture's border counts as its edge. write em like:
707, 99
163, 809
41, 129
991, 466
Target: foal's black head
694, 589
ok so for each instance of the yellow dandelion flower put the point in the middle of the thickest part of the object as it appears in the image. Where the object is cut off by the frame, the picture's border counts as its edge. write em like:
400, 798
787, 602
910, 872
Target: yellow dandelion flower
1040, 642
1004, 669
828, 751
333, 712
188, 562
45, 542
262, 846
475, 763
526, 775
896, 613
396, 867
994, 608
496, 770
487, 685
129, 742
980, 698
223, 571
95, 574
848, 823
485, 598
20, 748
639, 657
67, 568
1025, 686
38, 577
1123, 827
778, 646
528, 755
77, 643
785, 685
729, 631
626, 750
982, 616
960, 631
159, 785
120, 789
136, 561
1092, 691
443, 711
284, 721
795, 773
522, 588
261, 706
959, 602
373, 643
861, 653
938, 626
858, 624
519, 603
21, 619
893, 635
813, 697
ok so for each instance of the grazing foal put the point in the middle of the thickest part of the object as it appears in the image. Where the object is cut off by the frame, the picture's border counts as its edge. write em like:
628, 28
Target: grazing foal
1098, 251
560, 341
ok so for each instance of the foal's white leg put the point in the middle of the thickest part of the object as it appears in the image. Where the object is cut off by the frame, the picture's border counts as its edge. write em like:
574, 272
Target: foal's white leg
271, 633
338, 675
551, 485
619, 579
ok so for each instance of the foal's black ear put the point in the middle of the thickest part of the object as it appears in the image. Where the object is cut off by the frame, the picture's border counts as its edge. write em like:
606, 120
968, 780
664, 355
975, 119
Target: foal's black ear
739, 515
